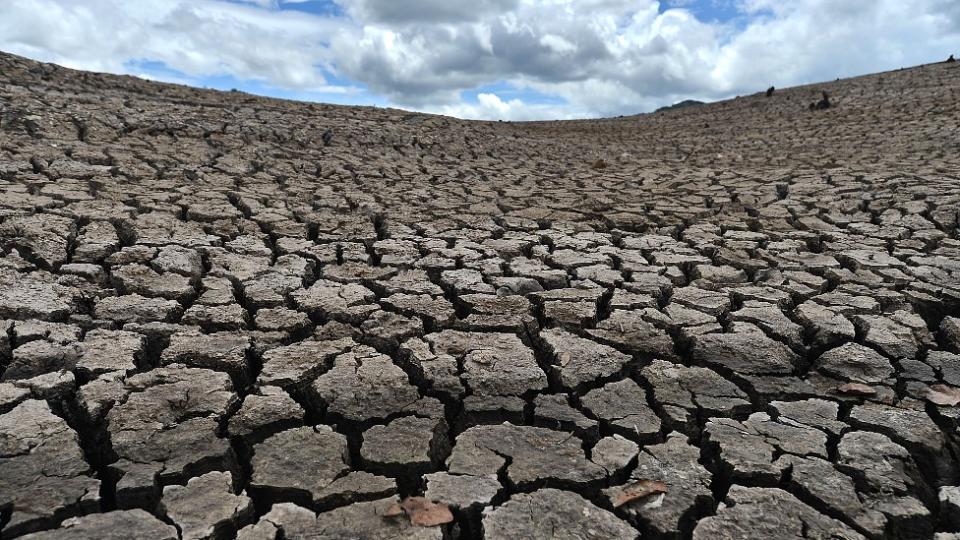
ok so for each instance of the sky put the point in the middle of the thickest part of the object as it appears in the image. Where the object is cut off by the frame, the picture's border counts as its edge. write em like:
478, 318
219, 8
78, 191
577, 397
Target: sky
486, 59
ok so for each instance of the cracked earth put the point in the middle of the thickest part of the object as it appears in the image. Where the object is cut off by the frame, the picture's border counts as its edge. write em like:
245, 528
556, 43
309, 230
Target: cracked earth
230, 316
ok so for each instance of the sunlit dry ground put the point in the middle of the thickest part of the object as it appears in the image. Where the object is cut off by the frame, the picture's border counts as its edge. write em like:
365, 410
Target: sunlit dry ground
221, 313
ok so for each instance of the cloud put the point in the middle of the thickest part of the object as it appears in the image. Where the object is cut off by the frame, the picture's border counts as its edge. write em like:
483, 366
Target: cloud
199, 38
814, 40
592, 57
490, 106
422, 12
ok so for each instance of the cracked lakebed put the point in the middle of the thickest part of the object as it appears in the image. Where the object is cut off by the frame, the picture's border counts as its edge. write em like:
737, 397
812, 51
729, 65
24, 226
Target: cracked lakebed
740, 320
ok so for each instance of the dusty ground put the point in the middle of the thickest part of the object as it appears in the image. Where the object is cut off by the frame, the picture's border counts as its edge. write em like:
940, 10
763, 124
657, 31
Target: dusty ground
732, 321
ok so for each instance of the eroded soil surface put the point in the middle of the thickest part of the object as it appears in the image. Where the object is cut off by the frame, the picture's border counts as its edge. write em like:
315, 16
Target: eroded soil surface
228, 315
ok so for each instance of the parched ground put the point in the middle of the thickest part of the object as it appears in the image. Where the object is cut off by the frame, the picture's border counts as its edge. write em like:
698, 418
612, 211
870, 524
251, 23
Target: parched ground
228, 315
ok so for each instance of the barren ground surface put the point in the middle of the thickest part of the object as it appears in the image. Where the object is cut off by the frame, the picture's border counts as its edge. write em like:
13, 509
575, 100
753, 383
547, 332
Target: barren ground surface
228, 315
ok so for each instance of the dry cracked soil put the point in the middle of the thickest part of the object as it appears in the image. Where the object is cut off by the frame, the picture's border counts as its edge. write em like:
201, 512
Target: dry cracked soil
230, 316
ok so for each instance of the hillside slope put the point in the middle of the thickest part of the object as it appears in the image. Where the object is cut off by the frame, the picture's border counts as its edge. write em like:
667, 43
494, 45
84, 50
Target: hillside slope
222, 312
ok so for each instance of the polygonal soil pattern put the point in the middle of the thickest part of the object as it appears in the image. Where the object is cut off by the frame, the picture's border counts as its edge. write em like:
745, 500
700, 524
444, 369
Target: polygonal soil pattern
737, 320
